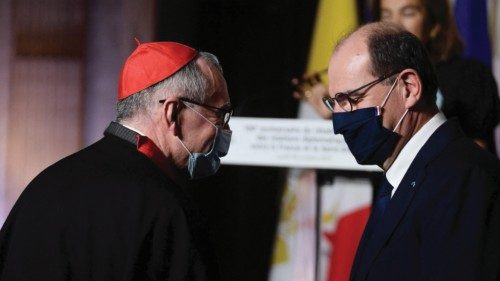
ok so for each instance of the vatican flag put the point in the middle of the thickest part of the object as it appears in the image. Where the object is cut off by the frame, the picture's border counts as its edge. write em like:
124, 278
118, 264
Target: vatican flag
295, 250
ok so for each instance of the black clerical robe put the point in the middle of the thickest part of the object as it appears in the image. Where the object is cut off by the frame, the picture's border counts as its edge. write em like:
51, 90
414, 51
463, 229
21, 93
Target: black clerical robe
106, 212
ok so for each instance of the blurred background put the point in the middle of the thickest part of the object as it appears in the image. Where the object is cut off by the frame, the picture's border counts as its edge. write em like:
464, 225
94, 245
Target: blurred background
59, 63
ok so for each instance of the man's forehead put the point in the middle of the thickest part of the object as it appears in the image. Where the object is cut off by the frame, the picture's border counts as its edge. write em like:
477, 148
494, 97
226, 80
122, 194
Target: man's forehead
217, 93
353, 45
349, 63
210, 70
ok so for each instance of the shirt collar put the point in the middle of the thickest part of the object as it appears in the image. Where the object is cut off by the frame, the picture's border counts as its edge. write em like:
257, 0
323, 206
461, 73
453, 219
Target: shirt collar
400, 166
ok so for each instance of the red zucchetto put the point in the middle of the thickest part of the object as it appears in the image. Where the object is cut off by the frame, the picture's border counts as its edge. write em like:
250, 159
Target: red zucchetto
150, 63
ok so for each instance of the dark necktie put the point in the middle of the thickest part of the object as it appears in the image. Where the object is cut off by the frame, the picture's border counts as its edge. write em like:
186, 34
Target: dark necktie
381, 202
383, 199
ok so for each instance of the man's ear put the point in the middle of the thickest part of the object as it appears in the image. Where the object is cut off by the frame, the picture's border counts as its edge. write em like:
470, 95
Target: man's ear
412, 87
171, 109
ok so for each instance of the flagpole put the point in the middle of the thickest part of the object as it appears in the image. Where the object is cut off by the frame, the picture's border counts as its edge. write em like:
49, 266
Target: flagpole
317, 256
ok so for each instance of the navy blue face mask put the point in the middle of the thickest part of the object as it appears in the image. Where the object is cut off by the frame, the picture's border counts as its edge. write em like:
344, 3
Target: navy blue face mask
369, 142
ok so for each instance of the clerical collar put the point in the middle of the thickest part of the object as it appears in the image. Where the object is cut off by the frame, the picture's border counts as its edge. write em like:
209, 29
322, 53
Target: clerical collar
142, 143
118, 130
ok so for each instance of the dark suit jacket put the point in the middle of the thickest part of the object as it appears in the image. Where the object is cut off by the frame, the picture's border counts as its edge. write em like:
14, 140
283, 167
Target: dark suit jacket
104, 213
443, 221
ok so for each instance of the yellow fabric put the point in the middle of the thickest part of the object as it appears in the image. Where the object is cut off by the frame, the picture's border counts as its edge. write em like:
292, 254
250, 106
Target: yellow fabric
334, 19
291, 260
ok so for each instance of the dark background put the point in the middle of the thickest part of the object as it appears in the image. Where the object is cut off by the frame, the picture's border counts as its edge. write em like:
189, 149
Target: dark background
262, 45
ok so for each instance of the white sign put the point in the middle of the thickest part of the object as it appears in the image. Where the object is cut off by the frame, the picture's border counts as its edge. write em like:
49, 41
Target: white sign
297, 143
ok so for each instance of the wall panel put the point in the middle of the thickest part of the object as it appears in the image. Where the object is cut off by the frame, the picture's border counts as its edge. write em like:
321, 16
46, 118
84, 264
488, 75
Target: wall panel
5, 58
44, 115
45, 91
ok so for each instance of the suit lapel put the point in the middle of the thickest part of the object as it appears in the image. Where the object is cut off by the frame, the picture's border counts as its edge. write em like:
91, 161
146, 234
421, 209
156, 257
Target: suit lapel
402, 198
393, 215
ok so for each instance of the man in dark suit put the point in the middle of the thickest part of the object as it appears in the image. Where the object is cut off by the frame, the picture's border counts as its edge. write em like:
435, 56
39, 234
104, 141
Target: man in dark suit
115, 210
435, 216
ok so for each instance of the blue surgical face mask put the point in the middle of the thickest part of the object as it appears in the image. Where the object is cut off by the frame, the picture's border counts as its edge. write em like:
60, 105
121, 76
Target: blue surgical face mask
369, 142
202, 165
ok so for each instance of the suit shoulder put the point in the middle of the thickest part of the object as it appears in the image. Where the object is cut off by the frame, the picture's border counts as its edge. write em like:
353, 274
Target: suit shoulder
463, 156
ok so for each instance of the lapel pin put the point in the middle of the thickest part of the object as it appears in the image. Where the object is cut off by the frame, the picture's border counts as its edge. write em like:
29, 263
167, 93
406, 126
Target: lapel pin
412, 184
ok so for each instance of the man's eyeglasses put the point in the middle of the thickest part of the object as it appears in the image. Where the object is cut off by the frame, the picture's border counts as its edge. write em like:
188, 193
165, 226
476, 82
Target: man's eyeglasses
222, 113
345, 100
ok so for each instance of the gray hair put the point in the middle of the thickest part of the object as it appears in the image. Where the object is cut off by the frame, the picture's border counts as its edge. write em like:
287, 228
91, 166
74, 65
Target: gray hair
188, 82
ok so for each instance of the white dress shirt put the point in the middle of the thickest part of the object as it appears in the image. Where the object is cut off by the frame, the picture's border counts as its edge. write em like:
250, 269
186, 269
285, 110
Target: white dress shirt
406, 156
